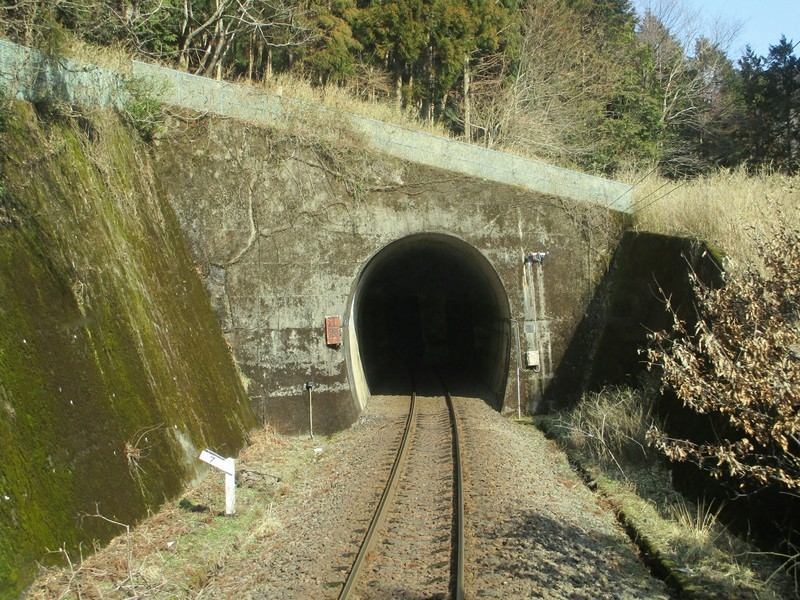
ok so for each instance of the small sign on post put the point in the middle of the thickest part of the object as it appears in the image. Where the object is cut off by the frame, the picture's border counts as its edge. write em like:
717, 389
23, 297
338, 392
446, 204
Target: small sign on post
227, 466
309, 387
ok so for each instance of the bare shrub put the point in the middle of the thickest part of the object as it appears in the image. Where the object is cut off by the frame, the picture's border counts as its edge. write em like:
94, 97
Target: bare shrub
740, 365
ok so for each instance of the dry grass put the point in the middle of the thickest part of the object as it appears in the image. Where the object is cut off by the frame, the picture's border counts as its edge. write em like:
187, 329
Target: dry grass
609, 427
689, 535
605, 434
697, 528
343, 99
727, 210
176, 551
288, 85
113, 58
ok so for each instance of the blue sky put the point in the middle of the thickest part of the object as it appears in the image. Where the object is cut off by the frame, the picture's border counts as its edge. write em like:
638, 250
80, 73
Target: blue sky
762, 21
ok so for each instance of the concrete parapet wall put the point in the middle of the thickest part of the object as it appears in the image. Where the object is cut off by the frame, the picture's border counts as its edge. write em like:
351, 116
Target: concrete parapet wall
204, 94
28, 74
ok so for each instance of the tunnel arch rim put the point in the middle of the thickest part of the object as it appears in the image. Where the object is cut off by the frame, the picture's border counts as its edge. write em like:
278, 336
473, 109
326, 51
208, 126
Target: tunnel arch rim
359, 388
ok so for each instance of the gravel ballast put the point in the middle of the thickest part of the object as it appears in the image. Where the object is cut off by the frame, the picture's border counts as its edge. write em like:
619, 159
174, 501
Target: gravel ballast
533, 529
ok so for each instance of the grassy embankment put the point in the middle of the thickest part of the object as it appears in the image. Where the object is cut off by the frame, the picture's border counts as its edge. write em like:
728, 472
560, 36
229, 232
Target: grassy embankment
728, 210
180, 550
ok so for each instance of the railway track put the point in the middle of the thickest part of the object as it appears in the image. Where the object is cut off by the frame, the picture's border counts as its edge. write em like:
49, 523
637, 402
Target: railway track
414, 544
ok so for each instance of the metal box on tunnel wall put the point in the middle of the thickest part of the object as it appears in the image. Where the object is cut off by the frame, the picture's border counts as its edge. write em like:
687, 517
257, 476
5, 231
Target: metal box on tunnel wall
333, 330
532, 359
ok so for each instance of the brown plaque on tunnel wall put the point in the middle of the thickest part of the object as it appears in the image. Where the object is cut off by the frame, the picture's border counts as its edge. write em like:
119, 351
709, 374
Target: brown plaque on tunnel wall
333, 331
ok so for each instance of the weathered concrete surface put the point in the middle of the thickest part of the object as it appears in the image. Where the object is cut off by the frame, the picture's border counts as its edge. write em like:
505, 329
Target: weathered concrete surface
282, 225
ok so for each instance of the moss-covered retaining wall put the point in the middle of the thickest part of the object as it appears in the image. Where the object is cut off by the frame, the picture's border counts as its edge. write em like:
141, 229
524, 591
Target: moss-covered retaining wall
113, 369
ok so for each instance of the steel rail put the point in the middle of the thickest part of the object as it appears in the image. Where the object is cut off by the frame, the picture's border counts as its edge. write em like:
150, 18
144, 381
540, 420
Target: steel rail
385, 501
457, 574
382, 510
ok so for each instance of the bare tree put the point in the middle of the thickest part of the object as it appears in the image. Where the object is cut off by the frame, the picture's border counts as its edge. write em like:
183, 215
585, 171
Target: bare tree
689, 58
36, 22
200, 35
542, 102
262, 25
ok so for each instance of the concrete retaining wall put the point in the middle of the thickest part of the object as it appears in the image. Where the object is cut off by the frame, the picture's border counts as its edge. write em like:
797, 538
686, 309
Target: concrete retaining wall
282, 223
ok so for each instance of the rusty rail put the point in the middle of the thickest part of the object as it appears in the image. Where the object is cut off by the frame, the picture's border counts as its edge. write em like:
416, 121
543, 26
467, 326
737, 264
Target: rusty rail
382, 510
457, 573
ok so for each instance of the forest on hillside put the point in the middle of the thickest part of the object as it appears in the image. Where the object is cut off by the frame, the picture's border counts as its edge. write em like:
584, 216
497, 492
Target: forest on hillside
582, 83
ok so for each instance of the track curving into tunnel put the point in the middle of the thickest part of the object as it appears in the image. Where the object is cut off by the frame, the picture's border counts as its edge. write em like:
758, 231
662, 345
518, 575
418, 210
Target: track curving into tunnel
430, 300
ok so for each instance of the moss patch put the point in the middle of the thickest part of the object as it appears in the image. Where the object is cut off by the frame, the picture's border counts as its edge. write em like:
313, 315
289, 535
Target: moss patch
113, 370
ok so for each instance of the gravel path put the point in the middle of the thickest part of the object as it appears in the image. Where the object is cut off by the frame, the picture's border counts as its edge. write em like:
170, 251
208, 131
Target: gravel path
533, 529
323, 526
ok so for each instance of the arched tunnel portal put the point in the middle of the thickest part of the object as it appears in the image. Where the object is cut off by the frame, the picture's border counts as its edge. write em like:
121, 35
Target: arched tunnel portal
429, 303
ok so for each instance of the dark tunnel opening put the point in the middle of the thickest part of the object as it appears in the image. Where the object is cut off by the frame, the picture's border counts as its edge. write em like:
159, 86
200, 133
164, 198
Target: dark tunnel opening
431, 306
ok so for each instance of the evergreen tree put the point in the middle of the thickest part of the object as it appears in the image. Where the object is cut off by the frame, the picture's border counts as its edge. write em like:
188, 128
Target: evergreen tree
392, 36
771, 93
332, 55
625, 127
783, 102
430, 47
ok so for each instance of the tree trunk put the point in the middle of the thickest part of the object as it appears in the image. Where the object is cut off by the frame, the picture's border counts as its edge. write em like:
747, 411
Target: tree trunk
250, 57
467, 106
441, 106
398, 86
428, 102
218, 34
259, 59
183, 45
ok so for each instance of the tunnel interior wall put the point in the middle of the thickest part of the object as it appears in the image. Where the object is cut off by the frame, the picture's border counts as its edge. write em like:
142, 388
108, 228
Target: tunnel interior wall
431, 302
284, 223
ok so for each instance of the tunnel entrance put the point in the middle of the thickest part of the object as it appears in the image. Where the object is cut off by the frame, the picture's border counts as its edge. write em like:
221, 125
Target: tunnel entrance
425, 304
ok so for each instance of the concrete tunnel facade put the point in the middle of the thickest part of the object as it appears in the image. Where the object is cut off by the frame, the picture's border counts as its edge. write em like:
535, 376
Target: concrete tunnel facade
428, 303
422, 266
283, 211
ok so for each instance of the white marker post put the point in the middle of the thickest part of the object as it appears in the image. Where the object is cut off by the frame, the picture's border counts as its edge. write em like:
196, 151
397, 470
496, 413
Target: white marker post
227, 466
